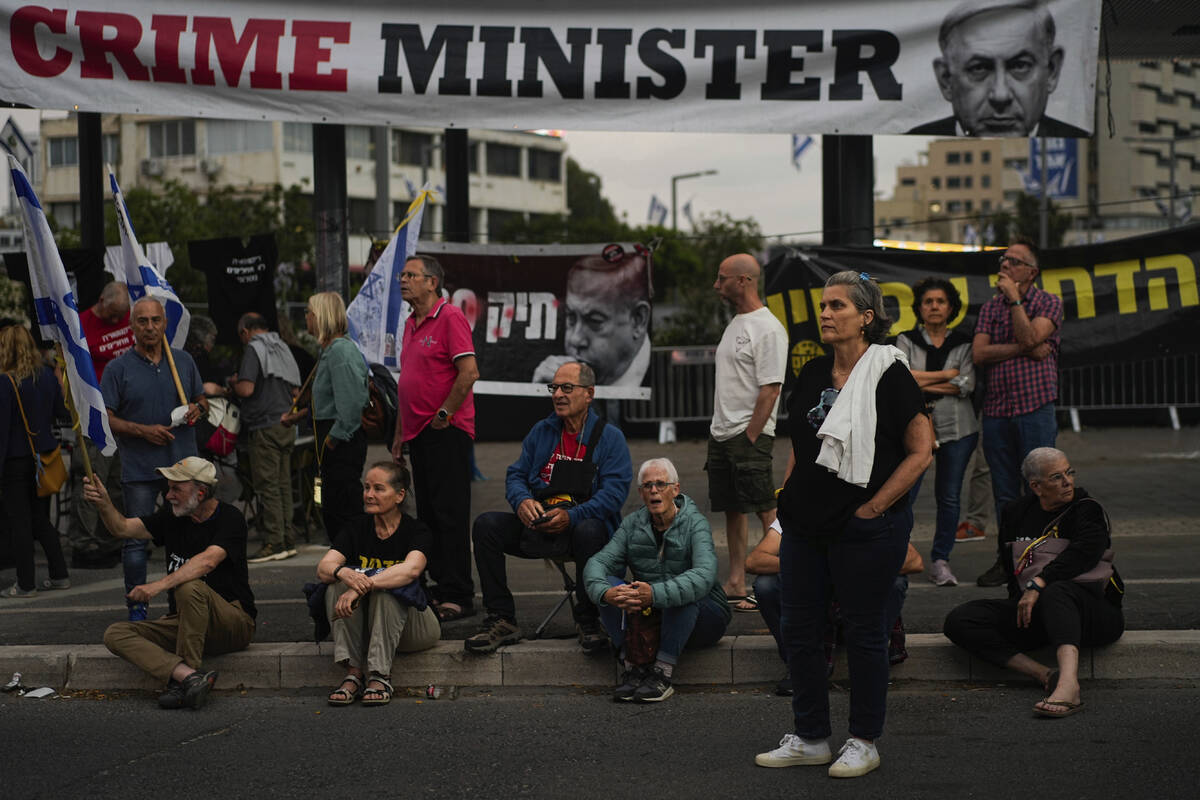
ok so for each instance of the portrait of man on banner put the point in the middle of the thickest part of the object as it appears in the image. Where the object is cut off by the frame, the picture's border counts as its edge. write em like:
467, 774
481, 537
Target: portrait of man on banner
998, 66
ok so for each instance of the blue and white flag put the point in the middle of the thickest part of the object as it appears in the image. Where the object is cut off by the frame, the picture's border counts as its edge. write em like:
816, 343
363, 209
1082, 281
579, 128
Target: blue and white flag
377, 313
799, 145
687, 213
143, 278
58, 314
657, 215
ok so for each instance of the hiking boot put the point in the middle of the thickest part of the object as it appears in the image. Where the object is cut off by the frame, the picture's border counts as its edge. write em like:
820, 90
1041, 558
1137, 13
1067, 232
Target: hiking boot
196, 688
592, 637
631, 679
494, 632
172, 697
655, 688
268, 552
995, 576
968, 533
854, 759
794, 752
940, 574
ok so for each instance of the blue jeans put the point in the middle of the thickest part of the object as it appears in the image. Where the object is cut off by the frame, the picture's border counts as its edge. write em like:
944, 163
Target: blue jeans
1006, 442
862, 562
698, 624
951, 459
140, 497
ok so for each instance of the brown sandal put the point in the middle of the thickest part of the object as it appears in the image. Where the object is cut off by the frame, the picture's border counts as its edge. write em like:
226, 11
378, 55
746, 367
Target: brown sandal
342, 696
449, 612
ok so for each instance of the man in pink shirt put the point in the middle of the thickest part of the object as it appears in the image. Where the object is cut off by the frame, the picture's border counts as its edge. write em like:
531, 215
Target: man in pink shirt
436, 418
106, 326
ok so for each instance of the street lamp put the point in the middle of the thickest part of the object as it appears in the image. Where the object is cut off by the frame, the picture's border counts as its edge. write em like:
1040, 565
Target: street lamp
675, 179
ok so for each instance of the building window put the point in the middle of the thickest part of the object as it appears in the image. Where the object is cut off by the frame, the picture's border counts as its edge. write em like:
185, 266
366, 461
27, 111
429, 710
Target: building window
967, 181
985, 205
908, 181
545, 165
64, 152
985, 181
498, 220
967, 206
935, 182
1019, 164
362, 215
412, 148
473, 158
175, 137
66, 215
502, 159
954, 207
953, 182
297, 137
985, 157
359, 142
224, 136
968, 157
110, 148
953, 157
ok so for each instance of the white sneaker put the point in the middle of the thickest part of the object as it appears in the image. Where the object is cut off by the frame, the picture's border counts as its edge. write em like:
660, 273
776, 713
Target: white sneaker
794, 751
854, 759
941, 575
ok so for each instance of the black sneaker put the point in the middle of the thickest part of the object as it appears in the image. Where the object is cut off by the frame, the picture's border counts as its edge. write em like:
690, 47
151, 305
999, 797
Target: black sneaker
196, 688
784, 687
172, 697
995, 576
655, 688
592, 637
631, 679
494, 632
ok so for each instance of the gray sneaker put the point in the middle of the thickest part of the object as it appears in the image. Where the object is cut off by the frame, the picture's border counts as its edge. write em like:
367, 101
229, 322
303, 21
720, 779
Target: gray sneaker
494, 632
940, 574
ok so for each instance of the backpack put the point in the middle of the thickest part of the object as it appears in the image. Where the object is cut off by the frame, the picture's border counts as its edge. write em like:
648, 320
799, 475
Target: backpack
379, 414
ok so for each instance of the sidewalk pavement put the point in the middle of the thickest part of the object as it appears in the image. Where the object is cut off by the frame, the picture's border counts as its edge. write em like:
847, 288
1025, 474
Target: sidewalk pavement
1146, 478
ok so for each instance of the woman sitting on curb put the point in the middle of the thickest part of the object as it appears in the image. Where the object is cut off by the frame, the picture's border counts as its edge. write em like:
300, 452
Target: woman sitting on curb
380, 558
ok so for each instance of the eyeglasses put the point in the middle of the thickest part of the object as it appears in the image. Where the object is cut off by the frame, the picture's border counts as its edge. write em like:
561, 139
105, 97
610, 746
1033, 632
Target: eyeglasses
816, 415
412, 276
1060, 477
658, 486
567, 388
1005, 260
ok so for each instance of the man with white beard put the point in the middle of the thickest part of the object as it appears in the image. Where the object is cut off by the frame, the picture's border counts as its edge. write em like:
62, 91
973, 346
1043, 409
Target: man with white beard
211, 607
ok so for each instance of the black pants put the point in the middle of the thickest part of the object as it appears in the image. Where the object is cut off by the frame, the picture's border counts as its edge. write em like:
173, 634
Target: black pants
497, 533
341, 479
1066, 613
441, 469
28, 519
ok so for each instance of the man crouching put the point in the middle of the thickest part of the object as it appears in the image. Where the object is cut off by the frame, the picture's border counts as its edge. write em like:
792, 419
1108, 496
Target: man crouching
211, 607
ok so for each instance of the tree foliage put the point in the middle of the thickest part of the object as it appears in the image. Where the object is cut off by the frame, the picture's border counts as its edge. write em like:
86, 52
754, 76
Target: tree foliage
1026, 220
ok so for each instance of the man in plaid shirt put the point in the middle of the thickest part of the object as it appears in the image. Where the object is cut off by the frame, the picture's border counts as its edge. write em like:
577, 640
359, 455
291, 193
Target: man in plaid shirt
1017, 339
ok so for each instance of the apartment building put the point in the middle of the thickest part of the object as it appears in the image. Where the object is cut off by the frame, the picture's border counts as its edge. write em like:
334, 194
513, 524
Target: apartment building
1122, 181
512, 174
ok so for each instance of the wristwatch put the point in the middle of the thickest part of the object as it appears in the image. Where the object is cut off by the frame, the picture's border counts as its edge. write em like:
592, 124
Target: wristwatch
1033, 585
443, 415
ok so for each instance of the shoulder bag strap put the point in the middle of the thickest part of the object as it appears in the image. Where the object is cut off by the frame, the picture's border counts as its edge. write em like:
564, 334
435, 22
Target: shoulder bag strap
594, 439
21, 406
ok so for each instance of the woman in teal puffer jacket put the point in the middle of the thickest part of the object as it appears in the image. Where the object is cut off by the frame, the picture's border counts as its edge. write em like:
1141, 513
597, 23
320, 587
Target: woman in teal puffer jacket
668, 548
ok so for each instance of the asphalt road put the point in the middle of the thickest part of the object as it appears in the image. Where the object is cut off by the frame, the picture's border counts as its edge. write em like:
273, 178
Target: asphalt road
941, 740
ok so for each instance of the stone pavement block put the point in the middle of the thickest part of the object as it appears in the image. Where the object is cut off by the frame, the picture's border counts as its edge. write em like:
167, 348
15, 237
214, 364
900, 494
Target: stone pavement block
706, 665
1149, 654
756, 660
256, 667
932, 657
91, 666
39, 665
305, 664
447, 664
983, 672
553, 662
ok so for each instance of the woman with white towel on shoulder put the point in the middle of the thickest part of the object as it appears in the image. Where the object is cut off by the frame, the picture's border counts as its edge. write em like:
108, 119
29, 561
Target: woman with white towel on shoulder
859, 443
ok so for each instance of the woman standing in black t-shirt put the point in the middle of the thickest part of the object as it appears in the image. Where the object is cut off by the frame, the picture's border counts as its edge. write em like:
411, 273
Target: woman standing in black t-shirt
376, 603
859, 442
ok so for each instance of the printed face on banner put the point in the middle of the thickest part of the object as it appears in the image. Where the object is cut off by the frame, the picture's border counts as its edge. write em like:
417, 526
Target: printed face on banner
998, 68
532, 313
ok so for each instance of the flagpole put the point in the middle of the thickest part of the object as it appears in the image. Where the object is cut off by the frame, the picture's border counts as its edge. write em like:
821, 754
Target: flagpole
82, 448
183, 400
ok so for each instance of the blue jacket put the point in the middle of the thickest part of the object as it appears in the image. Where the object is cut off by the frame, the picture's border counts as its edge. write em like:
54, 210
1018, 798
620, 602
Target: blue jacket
682, 571
614, 470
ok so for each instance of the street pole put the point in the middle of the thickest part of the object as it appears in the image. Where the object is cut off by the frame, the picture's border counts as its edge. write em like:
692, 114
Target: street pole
1044, 209
674, 180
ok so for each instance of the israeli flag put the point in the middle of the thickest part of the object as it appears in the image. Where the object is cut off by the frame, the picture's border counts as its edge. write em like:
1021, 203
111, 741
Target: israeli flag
799, 145
377, 313
58, 315
657, 215
143, 278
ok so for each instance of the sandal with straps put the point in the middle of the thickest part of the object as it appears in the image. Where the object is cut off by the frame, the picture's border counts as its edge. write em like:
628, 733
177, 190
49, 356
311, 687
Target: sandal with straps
342, 696
377, 697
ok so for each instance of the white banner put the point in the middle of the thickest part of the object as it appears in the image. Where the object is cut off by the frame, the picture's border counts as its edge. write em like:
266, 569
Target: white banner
981, 67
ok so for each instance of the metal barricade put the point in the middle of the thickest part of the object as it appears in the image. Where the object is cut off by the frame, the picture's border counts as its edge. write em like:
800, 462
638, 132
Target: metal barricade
681, 386
1168, 382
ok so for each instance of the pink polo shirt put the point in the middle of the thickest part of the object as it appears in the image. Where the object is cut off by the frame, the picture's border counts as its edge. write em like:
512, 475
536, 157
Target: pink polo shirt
427, 371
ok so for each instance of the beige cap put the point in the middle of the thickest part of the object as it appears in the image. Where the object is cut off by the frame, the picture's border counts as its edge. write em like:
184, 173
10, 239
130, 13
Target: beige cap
191, 469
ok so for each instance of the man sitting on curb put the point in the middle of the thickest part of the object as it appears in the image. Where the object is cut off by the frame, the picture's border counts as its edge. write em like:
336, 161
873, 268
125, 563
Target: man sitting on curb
566, 490
211, 606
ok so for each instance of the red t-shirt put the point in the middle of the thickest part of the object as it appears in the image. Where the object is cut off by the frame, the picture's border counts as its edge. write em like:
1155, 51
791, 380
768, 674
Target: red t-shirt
427, 370
106, 340
569, 448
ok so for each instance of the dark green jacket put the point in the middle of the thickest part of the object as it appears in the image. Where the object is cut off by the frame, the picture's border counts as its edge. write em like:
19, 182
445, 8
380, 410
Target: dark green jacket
682, 572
